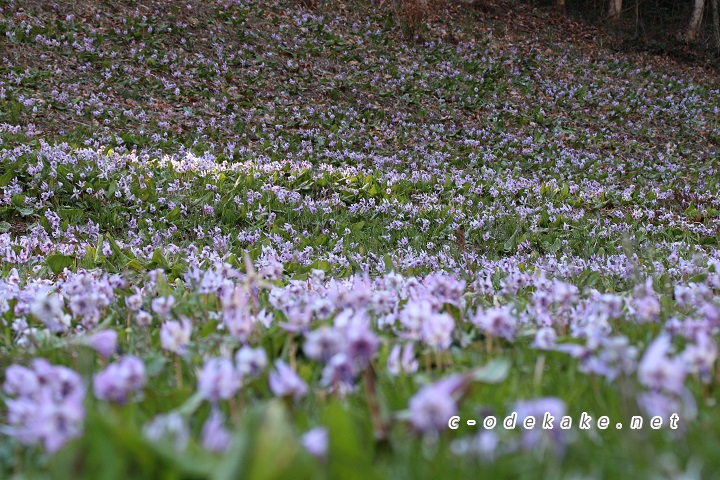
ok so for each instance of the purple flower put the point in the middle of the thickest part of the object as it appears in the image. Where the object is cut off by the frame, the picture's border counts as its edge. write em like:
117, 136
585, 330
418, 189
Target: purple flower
235, 315
175, 336
565, 294
104, 342
120, 379
361, 342
143, 319
496, 321
323, 343
433, 405
285, 382
162, 306
405, 363
484, 444
664, 405
134, 302
700, 357
613, 356
215, 437
170, 427
20, 381
711, 314
56, 423
250, 362
437, 330
49, 404
218, 380
537, 409
612, 304
48, 309
339, 374
413, 316
58, 382
545, 339
647, 308
315, 442
683, 295
658, 371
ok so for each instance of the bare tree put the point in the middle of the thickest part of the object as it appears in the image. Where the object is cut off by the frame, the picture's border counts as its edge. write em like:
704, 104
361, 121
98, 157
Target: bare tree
693, 27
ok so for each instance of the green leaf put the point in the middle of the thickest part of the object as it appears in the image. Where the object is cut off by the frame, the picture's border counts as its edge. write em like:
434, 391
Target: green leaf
58, 262
18, 200
323, 265
389, 266
99, 248
113, 448
277, 454
154, 364
173, 215
8, 176
112, 188
158, 260
234, 465
348, 457
494, 372
320, 240
135, 264
162, 286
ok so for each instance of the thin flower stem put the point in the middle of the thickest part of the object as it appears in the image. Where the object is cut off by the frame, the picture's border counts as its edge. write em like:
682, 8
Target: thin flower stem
291, 353
232, 405
178, 372
539, 368
378, 425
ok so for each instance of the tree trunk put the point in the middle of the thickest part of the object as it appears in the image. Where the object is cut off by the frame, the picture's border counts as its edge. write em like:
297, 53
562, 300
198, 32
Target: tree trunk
715, 6
614, 9
693, 28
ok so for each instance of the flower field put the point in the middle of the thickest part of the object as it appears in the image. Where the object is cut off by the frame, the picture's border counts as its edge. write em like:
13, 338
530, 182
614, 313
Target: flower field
250, 239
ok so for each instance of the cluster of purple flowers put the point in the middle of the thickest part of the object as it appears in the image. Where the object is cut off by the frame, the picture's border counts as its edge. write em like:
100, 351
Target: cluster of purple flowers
422, 321
221, 378
346, 349
120, 379
46, 404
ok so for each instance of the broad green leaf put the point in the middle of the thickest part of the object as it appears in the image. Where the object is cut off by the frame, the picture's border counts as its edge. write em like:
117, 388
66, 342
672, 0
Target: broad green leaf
58, 262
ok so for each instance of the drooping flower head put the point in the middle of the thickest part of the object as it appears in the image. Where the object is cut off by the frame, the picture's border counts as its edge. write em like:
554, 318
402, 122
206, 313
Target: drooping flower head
175, 336
218, 380
659, 371
215, 437
250, 362
285, 382
104, 342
